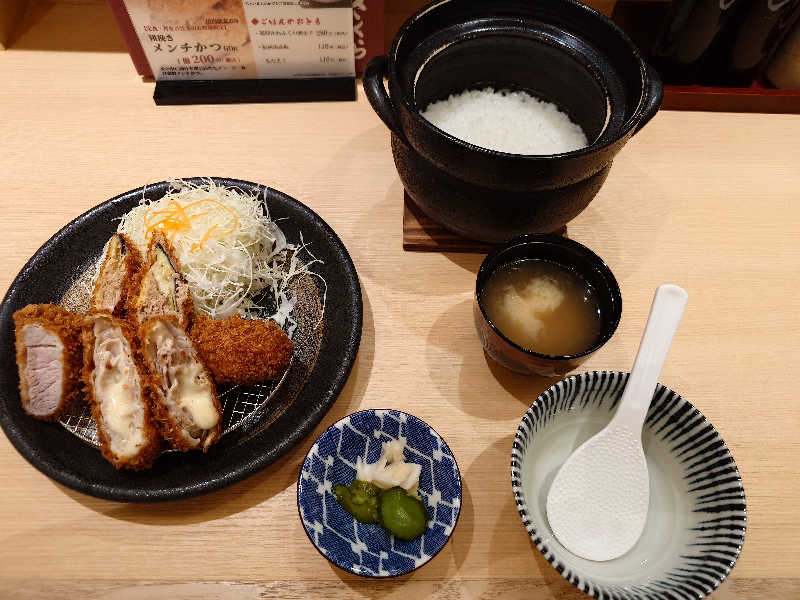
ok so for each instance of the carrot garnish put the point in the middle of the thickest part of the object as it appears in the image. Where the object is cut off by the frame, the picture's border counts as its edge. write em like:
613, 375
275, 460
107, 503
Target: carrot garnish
176, 218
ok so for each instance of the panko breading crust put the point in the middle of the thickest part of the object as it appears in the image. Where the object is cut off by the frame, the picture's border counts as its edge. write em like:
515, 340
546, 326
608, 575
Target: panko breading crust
132, 267
66, 326
185, 303
243, 351
170, 430
152, 449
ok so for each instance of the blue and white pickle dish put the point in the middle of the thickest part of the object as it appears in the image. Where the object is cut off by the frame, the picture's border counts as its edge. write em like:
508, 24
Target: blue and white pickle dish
697, 514
368, 549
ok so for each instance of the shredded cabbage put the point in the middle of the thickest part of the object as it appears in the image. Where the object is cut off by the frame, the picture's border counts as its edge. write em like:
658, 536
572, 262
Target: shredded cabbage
230, 250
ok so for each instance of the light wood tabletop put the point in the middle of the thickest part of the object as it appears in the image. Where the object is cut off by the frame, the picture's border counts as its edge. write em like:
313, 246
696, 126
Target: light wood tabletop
705, 200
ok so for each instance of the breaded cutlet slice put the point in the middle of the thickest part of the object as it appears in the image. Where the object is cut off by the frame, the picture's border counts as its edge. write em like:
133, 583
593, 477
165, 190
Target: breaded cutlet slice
48, 352
118, 273
243, 351
117, 386
185, 400
160, 287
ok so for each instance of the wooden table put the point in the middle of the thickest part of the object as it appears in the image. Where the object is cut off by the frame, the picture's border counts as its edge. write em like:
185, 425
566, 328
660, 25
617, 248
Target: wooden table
708, 201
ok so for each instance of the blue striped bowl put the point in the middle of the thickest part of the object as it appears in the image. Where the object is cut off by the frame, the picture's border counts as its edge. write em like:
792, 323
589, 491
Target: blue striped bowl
697, 516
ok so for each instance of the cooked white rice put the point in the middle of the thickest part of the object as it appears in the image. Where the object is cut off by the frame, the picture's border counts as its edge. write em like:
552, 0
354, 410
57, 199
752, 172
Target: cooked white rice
513, 122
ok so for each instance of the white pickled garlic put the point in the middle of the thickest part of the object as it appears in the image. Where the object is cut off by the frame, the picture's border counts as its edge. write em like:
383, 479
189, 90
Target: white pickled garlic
391, 469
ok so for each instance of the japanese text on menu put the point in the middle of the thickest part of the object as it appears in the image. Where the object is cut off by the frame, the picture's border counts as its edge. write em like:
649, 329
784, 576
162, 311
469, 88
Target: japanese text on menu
245, 39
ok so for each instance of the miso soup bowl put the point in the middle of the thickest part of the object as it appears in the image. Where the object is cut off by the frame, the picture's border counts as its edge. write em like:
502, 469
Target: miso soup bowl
560, 51
570, 255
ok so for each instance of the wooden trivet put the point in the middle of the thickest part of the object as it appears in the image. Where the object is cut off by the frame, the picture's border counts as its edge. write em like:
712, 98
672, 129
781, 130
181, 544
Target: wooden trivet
420, 233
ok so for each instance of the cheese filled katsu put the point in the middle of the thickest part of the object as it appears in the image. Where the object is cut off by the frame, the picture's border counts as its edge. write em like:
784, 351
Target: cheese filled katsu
116, 386
184, 396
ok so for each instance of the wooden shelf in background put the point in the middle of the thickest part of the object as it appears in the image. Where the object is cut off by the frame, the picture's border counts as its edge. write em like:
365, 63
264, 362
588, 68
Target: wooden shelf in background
642, 21
11, 12
397, 11
756, 98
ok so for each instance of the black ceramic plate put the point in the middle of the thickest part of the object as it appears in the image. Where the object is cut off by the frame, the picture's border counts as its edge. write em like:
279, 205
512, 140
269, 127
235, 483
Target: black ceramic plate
310, 391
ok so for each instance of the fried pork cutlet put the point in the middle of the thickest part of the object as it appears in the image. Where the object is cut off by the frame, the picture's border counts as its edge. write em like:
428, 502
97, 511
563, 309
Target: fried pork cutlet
48, 349
161, 288
116, 383
185, 399
244, 351
117, 276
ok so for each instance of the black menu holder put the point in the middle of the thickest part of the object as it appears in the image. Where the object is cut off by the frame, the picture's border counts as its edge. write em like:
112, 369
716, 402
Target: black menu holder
236, 91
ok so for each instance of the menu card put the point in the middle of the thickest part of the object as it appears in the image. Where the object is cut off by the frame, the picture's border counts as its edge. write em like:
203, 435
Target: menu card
243, 39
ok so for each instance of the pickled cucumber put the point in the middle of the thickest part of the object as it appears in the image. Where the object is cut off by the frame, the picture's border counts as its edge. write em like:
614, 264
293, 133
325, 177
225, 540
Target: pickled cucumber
360, 500
402, 515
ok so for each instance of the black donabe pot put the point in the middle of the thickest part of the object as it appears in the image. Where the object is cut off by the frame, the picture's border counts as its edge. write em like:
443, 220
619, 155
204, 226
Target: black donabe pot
559, 50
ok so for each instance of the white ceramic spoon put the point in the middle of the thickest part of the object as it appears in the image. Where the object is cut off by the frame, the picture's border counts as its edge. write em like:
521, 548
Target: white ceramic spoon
597, 504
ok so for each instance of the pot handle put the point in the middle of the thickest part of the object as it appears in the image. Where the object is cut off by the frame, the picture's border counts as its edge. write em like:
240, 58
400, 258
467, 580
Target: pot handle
376, 93
652, 101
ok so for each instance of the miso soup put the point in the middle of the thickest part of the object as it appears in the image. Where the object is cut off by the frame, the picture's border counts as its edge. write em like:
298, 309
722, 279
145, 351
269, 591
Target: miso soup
543, 307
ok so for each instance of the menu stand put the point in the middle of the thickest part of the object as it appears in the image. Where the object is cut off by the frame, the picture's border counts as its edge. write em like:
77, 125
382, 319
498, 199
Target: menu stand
235, 91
